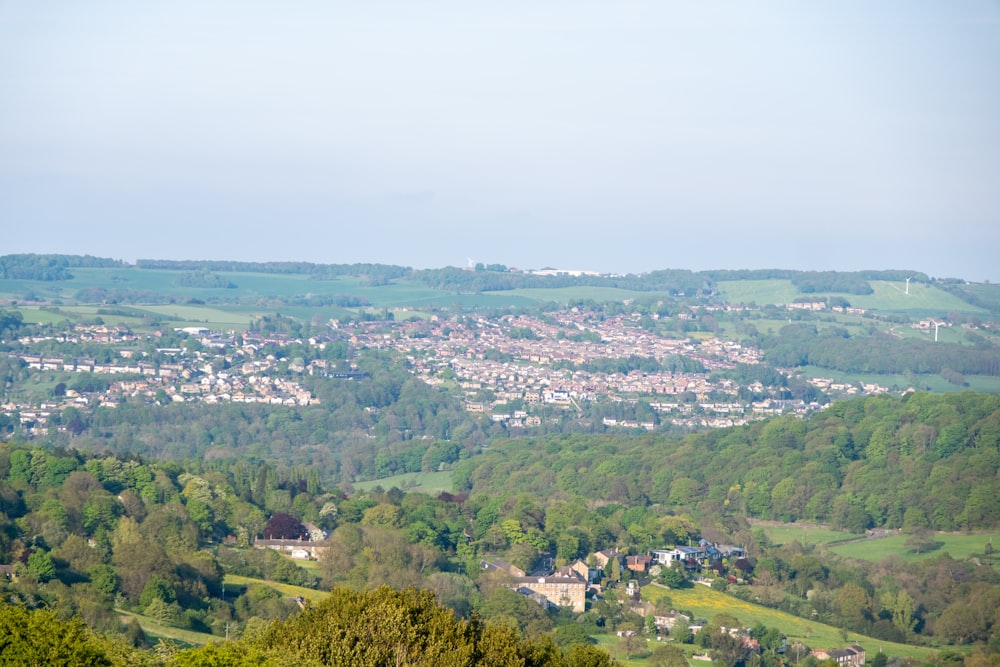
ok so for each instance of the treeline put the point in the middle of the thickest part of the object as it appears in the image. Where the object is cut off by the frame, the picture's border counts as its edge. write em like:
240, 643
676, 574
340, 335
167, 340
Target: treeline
678, 282
204, 279
379, 273
923, 461
50, 267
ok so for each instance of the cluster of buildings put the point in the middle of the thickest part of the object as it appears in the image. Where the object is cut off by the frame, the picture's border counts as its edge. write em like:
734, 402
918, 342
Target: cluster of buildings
243, 375
558, 360
508, 368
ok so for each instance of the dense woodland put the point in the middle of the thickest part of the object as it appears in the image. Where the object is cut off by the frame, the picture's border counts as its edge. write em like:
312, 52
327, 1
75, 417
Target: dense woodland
90, 534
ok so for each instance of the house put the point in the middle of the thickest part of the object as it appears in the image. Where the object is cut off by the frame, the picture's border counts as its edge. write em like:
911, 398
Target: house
591, 575
497, 565
298, 549
668, 621
689, 557
602, 558
639, 563
557, 591
852, 656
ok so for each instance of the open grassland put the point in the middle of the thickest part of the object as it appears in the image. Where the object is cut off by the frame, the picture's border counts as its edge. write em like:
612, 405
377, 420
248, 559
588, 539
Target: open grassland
234, 584
922, 300
705, 603
760, 292
805, 535
958, 545
189, 315
155, 629
423, 482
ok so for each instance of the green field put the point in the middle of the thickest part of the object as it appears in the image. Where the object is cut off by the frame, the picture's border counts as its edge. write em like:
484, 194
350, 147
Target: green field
958, 546
422, 482
233, 582
785, 534
155, 629
922, 300
705, 603
202, 316
760, 292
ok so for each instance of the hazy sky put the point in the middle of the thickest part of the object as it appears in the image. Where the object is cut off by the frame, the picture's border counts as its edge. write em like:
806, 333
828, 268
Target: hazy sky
614, 136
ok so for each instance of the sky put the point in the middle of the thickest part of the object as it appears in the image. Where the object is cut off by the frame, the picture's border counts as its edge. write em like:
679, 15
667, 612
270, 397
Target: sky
622, 136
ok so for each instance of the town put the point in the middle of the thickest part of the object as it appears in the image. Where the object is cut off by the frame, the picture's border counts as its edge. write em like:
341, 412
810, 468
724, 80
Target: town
509, 369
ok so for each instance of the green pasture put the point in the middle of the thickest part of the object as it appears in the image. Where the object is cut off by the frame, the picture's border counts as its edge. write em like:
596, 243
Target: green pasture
760, 292
419, 482
131, 316
193, 315
154, 628
705, 603
35, 315
958, 545
805, 535
234, 585
922, 301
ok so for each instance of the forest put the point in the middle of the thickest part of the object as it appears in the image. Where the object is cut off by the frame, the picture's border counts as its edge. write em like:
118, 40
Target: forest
93, 536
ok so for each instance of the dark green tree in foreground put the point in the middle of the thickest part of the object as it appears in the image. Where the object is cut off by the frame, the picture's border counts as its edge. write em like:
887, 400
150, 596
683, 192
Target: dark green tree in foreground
40, 638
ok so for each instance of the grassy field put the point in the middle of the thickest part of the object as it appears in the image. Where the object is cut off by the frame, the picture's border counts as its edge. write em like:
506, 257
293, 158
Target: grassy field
154, 628
959, 546
202, 316
233, 582
706, 603
760, 292
922, 300
785, 534
426, 482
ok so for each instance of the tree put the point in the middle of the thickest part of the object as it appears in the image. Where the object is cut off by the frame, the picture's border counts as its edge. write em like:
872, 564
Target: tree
667, 655
39, 637
283, 526
40, 566
673, 577
681, 631
631, 643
